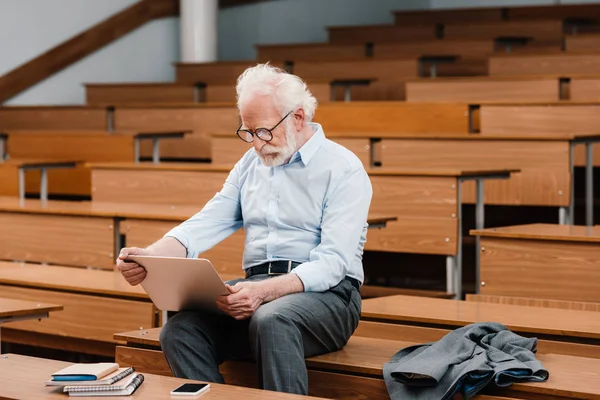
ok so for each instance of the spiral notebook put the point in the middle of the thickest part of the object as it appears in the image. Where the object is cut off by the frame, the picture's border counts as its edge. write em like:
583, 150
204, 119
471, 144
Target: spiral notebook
126, 388
109, 379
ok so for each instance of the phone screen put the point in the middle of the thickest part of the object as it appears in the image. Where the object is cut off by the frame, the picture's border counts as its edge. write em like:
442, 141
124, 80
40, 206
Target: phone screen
190, 387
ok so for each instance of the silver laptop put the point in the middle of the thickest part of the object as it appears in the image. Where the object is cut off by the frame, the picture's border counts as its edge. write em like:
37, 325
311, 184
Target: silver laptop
176, 284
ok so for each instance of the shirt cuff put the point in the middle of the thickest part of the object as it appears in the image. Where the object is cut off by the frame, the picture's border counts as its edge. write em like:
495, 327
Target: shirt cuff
312, 279
183, 239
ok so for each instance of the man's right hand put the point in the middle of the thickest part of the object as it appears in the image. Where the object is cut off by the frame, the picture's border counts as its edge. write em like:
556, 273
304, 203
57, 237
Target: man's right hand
133, 272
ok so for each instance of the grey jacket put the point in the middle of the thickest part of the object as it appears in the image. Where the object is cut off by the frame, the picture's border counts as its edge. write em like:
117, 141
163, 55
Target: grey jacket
464, 361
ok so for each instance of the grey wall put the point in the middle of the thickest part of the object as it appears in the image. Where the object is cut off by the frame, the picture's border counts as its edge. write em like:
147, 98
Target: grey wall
297, 21
30, 27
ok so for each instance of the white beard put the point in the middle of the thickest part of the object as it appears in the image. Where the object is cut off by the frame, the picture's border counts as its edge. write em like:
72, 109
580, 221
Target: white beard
273, 156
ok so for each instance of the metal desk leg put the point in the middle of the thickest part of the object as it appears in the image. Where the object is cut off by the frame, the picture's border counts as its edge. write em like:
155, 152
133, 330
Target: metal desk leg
21, 184
479, 224
451, 264
433, 70
165, 317
589, 184
155, 150
2, 155
136, 150
347, 93
44, 184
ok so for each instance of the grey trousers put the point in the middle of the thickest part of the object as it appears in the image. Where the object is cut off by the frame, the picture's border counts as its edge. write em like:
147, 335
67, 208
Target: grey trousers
278, 337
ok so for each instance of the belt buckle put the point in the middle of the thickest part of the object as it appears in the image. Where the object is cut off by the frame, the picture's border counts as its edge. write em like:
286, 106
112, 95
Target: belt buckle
279, 273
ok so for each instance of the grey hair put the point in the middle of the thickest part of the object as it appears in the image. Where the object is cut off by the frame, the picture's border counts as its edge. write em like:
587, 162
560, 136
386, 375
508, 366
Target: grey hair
288, 91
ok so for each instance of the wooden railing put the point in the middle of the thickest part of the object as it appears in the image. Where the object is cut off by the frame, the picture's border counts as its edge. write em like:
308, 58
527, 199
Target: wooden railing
83, 44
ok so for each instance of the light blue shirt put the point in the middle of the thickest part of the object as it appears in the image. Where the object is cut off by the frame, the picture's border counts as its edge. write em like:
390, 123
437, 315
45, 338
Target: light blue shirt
312, 210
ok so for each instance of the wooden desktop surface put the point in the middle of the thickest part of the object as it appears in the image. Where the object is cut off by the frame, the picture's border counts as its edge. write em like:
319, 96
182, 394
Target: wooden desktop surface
23, 377
20, 308
452, 313
563, 233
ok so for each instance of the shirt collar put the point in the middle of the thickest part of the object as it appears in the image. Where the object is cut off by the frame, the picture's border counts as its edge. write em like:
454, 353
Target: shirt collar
308, 150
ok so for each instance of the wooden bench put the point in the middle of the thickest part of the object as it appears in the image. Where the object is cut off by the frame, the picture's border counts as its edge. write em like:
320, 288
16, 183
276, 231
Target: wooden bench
539, 30
478, 14
534, 302
541, 261
544, 64
22, 377
427, 202
19, 310
101, 94
356, 370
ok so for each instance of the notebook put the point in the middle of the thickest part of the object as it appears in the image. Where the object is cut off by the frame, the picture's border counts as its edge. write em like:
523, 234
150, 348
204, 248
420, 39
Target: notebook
124, 389
107, 380
85, 372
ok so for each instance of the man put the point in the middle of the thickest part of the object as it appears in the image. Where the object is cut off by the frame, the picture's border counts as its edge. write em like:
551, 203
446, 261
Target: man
303, 202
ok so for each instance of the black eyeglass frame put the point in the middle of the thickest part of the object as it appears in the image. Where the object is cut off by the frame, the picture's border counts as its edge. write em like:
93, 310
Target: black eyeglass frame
269, 131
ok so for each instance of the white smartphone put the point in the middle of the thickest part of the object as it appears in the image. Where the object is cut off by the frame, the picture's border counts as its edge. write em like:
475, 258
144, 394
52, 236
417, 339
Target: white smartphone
190, 389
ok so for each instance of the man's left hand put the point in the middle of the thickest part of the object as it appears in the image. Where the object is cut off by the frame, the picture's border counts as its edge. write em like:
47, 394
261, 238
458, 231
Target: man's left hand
244, 300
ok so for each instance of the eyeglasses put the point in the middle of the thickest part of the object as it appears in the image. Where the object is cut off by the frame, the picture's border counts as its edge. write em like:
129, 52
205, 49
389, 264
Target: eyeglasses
263, 133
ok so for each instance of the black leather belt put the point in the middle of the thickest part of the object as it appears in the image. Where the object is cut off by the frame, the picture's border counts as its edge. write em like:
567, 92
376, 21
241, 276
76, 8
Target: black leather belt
284, 267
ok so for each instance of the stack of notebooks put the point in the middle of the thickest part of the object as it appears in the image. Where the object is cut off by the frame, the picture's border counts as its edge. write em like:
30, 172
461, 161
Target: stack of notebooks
97, 379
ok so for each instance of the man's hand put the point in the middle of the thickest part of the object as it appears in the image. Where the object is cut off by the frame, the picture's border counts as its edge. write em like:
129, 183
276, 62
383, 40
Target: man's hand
133, 272
244, 300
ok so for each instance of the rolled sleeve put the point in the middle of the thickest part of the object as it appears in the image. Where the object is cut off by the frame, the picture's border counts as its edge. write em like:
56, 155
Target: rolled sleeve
344, 221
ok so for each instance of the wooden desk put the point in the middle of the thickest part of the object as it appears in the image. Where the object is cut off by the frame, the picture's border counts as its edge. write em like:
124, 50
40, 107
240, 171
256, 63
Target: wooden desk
552, 324
23, 377
18, 310
356, 370
548, 261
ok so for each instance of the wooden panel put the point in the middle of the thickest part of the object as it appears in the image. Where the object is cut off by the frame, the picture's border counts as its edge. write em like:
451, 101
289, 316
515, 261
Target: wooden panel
551, 270
214, 72
52, 118
582, 43
228, 150
198, 119
141, 93
83, 316
83, 44
339, 386
308, 51
444, 16
375, 91
321, 91
533, 302
381, 119
71, 279
191, 147
541, 120
143, 360
483, 90
416, 235
77, 241
408, 333
9, 177
73, 181
552, 232
544, 178
539, 30
381, 69
380, 34
463, 48
547, 64
360, 147
165, 187
225, 256
17, 308
414, 196
63, 343
221, 93
585, 89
